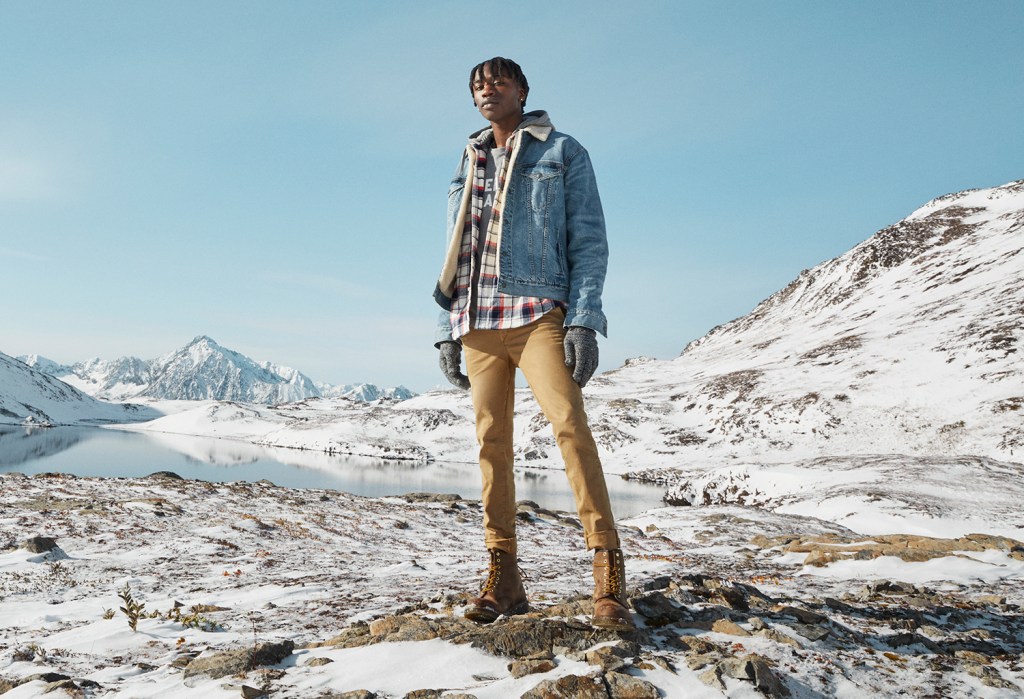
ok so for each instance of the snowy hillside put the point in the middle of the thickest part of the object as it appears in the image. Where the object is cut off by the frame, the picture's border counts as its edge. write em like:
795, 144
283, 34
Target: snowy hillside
906, 344
202, 370
28, 396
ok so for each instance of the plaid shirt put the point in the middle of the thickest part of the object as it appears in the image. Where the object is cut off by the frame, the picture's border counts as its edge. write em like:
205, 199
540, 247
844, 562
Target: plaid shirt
482, 306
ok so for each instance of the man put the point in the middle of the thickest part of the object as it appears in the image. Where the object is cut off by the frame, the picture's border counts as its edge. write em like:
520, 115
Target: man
521, 288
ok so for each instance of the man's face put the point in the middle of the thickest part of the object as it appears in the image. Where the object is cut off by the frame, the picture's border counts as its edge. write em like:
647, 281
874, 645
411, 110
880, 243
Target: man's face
498, 99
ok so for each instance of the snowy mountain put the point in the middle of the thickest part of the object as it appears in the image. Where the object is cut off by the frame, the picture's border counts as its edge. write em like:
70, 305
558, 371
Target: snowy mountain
31, 397
202, 370
907, 344
365, 392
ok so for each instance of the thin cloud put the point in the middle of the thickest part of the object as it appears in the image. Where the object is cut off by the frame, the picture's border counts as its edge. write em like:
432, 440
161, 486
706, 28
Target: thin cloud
22, 255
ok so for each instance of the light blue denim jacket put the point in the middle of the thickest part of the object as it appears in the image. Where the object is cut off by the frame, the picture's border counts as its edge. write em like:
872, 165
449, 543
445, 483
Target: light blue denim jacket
553, 242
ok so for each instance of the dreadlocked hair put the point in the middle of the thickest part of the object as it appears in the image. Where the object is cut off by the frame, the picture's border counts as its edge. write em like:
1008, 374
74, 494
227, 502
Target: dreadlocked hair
500, 68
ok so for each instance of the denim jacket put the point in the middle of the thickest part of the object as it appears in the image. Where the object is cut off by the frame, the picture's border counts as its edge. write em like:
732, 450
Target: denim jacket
552, 239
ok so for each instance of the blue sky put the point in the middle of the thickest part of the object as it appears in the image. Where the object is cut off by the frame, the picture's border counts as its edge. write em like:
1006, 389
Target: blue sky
274, 174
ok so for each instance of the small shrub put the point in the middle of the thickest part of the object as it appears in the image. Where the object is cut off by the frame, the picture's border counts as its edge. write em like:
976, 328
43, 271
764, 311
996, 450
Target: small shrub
132, 609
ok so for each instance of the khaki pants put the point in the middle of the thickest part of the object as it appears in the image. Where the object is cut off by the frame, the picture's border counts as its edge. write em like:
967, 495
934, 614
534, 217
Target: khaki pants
491, 360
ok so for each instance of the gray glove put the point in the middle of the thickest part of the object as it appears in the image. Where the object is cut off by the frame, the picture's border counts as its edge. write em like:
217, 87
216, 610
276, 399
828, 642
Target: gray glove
451, 364
581, 353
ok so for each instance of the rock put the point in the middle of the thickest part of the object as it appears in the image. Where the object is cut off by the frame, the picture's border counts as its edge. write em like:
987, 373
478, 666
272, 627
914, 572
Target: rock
804, 615
712, 677
47, 677
523, 637
522, 668
165, 475
778, 637
608, 658
432, 497
996, 600
358, 694
317, 662
811, 632
649, 662
657, 609
569, 687
900, 640
659, 583
757, 669
622, 686
403, 627
988, 675
384, 626
68, 686
231, 662
699, 645
696, 662
252, 692
823, 550
729, 627
39, 544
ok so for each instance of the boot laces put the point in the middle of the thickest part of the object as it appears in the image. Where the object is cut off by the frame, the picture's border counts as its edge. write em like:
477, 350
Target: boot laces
493, 572
612, 581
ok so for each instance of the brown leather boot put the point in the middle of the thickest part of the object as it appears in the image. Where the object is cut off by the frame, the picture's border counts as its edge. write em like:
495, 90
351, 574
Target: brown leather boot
610, 611
502, 593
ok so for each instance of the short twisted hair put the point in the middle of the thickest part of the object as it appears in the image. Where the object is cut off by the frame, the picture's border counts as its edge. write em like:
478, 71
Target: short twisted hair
500, 68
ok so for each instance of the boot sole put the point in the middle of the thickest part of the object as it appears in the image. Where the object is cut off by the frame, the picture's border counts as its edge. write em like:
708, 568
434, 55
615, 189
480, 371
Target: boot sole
612, 625
485, 615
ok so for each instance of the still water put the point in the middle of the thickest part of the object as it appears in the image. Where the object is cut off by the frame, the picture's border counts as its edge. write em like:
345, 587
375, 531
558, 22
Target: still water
85, 451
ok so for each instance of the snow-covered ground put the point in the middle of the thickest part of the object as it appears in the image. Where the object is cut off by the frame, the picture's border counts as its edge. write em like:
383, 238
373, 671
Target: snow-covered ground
357, 584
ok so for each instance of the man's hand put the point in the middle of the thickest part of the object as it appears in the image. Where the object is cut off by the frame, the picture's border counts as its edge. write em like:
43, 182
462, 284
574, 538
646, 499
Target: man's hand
451, 364
581, 353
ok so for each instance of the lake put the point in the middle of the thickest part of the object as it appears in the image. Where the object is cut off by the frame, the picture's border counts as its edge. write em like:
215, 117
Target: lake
90, 451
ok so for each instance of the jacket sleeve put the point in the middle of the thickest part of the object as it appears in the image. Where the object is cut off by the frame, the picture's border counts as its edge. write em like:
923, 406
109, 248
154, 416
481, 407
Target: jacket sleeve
586, 245
444, 328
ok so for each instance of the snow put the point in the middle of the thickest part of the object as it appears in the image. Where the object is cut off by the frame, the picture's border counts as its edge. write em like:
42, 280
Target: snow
879, 393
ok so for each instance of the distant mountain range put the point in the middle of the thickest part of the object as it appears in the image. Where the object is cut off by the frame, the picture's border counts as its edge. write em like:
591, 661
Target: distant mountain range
201, 370
31, 397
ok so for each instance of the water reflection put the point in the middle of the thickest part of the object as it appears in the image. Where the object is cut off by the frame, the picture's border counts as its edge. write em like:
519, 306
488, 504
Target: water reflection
111, 453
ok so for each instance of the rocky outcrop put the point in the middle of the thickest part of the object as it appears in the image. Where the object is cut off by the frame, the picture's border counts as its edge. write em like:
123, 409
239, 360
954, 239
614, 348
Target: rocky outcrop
826, 549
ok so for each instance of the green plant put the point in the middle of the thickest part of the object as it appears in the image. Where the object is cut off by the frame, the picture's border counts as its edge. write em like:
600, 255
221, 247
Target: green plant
132, 609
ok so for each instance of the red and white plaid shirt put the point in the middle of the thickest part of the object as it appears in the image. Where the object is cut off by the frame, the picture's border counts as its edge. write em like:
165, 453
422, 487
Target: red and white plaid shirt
484, 307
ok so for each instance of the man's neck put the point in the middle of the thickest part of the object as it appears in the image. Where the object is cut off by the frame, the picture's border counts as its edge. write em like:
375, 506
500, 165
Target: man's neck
504, 129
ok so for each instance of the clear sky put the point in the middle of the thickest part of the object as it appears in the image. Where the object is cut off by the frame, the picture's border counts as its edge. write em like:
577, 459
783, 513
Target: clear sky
274, 174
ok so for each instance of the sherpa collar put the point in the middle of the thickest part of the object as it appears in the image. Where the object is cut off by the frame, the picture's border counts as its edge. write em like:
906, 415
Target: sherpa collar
537, 124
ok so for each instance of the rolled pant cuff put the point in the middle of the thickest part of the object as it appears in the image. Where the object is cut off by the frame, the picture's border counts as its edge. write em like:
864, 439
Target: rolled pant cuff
608, 539
506, 545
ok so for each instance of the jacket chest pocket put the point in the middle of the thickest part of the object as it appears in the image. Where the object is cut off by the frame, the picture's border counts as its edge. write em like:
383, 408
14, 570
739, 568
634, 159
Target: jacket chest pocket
543, 181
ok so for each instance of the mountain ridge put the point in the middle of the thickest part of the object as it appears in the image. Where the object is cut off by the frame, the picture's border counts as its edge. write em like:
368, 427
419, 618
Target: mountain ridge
202, 370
